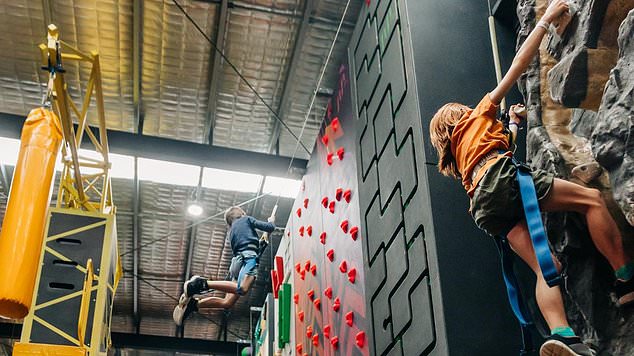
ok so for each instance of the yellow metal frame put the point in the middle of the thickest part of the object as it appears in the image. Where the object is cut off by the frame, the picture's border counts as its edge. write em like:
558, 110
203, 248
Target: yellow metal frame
90, 192
102, 287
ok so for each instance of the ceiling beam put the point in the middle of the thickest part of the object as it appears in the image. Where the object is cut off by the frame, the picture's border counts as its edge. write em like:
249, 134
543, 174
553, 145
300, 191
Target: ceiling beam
136, 226
181, 151
291, 74
216, 70
137, 65
151, 342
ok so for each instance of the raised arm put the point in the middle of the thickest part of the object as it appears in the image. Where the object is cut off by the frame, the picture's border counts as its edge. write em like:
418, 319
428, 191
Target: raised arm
261, 225
525, 55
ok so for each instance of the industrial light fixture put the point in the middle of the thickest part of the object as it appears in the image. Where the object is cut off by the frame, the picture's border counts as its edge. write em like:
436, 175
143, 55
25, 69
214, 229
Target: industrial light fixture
194, 209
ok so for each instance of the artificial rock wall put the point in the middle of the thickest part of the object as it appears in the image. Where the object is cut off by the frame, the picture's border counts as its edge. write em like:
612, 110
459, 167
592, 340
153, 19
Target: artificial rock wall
580, 94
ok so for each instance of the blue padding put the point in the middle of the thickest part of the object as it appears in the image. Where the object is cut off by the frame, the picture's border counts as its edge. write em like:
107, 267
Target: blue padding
536, 228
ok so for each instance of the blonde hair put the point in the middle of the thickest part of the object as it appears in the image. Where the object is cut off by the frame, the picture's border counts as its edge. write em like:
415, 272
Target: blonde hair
440, 130
234, 213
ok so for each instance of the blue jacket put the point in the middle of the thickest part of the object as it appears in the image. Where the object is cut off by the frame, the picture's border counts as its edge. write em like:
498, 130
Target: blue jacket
243, 236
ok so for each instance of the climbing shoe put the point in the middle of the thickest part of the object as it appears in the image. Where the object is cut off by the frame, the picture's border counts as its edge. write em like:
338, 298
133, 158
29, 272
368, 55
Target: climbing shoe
557, 345
195, 285
624, 292
182, 312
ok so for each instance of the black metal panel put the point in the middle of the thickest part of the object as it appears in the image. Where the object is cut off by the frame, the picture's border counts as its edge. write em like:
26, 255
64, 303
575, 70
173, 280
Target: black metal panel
392, 189
180, 151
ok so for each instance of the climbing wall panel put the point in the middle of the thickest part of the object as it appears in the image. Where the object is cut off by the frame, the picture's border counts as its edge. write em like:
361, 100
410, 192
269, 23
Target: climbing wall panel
325, 239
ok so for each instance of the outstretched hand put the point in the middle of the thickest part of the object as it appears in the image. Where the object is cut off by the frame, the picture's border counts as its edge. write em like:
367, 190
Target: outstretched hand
517, 113
555, 10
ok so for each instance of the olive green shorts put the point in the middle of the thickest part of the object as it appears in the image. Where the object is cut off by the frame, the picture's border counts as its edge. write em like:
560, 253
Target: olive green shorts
496, 206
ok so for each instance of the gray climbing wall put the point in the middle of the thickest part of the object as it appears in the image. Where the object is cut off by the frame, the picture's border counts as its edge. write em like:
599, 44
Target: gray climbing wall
433, 283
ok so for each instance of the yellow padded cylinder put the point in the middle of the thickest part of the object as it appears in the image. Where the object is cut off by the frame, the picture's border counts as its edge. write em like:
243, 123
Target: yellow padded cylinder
25, 217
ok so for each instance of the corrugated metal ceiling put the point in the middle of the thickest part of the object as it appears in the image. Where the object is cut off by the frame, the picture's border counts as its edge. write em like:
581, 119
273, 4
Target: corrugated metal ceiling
177, 69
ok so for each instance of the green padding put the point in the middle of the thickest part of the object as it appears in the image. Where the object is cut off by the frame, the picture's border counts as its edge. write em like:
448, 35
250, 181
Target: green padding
284, 315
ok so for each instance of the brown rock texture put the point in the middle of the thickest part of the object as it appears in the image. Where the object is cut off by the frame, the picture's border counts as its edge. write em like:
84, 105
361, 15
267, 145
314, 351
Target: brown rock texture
580, 97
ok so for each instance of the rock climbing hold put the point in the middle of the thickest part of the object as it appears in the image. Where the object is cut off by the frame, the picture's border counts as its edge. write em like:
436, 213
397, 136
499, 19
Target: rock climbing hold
299, 212
322, 238
352, 275
329, 158
313, 270
324, 140
309, 331
327, 331
324, 202
354, 232
335, 124
331, 207
343, 267
336, 305
349, 318
298, 267
311, 294
274, 283
279, 267
328, 292
301, 231
344, 226
309, 230
360, 339
306, 203
299, 348
317, 303
300, 316
331, 254
307, 265
316, 339
302, 275
334, 341
347, 195
296, 298
338, 194
340, 152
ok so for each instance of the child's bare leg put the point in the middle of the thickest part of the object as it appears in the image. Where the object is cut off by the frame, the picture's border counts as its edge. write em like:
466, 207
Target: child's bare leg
223, 286
549, 299
218, 303
567, 196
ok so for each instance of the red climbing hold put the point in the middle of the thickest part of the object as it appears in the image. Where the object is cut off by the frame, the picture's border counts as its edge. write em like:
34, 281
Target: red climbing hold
296, 298
298, 267
309, 230
360, 339
288, 233
343, 267
322, 238
302, 275
317, 304
335, 124
328, 292
299, 348
329, 158
306, 203
274, 283
324, 202
352, 275
334, 342
367, 2
307, 265
354, 232
327, 331
301, 231
347, 195
349, 318
300, 316
336, 305
324, 140
311, 294
344, 226
340, 152
313, 270
331, 207
316, 339
299, 212
331, 255
309, 331
338, 194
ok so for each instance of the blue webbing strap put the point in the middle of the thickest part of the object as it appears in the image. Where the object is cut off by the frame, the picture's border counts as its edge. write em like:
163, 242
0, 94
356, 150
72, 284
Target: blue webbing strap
536, 226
